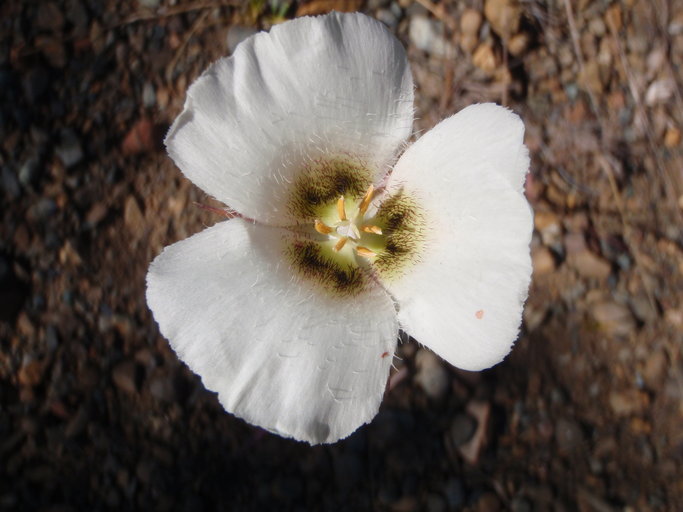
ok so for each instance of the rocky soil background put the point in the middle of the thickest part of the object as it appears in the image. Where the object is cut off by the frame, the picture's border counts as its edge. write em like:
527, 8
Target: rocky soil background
96, 411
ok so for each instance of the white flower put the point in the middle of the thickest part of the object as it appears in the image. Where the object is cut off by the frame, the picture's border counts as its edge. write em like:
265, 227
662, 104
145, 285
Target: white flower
291, 311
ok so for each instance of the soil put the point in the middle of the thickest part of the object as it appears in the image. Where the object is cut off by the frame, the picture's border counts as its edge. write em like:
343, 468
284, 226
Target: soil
97, 412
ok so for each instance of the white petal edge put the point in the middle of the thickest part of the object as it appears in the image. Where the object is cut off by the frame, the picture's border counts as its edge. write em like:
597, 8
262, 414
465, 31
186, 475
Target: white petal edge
310, 89
464, 298
279, 353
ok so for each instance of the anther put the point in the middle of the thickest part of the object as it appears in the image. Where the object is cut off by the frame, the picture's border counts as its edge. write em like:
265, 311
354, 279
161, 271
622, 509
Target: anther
364, 251
341, 209
322, 228
372, 229
365, 202
340, 244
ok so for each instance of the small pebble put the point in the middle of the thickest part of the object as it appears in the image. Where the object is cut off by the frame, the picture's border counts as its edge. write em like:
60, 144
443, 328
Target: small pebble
148, 95
237, 34
69, 149
431, 375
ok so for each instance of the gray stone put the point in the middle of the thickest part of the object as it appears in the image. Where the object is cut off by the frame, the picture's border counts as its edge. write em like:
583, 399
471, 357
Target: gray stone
125, 377
28, 172
455, 493
149, 97
9, 182
568, 435
431, 376
237, 34
387, 17
427, 35
462, 429
69, 149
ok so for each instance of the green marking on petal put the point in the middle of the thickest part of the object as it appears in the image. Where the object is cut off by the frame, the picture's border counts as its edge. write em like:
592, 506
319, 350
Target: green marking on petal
321, 183
403, 225
336, 272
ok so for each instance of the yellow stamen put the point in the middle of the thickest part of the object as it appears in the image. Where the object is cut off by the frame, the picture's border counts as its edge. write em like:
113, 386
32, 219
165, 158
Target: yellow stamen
341, 209
341, 243
365, 203
372, 229
364, 251
322, 228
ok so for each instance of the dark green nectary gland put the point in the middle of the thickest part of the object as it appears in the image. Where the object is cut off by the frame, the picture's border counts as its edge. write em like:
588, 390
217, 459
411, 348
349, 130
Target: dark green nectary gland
403, 223
309, 260
321, 184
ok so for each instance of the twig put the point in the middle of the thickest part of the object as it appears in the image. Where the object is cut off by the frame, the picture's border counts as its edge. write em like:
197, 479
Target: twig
607, 167
670, 188
573, 31
440, 13
193, 29
166, 12
163, 12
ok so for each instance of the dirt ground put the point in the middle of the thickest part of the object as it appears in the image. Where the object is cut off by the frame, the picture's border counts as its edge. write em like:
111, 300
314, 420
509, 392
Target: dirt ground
97, 412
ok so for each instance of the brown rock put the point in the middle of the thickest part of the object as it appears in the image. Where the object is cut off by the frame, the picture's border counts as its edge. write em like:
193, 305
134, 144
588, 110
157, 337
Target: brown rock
405, 504
69, 255
125, 377
590, 79
504, 16
96, 213
545, 219
576, 222
613, 318
31, 373
468, 42
481, 411
518, 43
484, 58
589, 265
132, 216
574, 243
24, 325
470, 22
568, 436
162, 97
324, 6
488, 502
613, 18
140, 138
548, 225
49, 17
53, 50
660, 92
534, 315
629, 402
543, 261
655, 369
672, 137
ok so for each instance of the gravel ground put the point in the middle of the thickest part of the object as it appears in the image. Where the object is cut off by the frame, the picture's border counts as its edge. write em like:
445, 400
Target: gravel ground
96, 411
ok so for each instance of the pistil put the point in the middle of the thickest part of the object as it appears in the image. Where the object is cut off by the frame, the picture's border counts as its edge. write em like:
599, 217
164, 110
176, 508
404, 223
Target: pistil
350, 230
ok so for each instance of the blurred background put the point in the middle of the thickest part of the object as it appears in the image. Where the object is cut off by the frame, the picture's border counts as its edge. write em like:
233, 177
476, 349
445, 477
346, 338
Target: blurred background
96, 411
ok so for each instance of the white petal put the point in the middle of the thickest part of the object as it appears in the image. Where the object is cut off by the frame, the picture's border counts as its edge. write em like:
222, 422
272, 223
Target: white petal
280, 353
464, 297
491, 132
311, 88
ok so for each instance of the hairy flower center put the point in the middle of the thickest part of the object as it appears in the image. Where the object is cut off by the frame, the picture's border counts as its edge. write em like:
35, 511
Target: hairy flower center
350, 240
352, 229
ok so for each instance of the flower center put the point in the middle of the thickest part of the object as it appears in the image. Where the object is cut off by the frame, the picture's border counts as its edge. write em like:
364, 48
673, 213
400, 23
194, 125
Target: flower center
354, 230
344, 241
